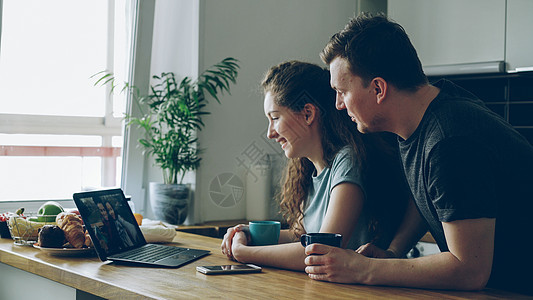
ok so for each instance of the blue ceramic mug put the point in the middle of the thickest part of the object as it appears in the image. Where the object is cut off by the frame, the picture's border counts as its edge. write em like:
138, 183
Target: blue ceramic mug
332, 239
264, 232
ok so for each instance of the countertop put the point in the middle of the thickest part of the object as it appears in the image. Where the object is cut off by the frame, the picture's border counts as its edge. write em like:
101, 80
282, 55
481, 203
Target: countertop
113, 281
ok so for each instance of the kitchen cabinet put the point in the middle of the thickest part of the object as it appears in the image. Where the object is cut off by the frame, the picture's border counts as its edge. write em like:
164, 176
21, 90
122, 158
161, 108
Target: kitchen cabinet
453, 31
509, 95
474, 36
519, 35
18, 284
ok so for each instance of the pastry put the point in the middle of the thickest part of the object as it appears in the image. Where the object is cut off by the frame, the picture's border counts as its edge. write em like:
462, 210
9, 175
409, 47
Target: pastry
72, 226
88, 241
51, 236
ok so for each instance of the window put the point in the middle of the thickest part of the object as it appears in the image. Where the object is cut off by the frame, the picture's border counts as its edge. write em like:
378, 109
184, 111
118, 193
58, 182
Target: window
58, 132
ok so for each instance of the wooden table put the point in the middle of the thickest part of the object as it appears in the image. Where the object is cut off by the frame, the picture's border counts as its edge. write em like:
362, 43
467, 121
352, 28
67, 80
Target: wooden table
113, 281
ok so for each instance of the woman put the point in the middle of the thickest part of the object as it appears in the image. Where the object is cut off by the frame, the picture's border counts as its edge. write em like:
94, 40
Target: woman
328, 185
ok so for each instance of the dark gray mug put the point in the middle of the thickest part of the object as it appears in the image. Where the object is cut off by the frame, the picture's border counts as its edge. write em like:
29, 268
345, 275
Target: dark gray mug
332, 239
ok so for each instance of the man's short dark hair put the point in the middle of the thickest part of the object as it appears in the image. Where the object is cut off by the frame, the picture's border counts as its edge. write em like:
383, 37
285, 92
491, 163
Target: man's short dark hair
374, 47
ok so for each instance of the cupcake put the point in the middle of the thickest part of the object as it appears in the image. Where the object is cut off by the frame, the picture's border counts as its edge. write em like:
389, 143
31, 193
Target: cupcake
51, 236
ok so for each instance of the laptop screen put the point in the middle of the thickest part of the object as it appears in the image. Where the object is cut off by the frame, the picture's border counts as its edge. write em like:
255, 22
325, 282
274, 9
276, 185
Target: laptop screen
109, 220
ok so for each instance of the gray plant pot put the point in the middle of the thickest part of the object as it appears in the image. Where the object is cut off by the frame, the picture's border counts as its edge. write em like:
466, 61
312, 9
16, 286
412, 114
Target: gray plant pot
170, 202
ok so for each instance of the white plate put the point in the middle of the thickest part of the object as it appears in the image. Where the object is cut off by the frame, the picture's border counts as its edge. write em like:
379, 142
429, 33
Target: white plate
65, 251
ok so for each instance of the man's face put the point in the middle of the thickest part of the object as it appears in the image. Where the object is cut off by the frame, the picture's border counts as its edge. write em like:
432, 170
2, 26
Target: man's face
358, 100
110, 210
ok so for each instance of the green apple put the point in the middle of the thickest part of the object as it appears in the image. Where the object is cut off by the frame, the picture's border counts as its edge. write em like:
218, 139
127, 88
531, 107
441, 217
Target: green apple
48, 211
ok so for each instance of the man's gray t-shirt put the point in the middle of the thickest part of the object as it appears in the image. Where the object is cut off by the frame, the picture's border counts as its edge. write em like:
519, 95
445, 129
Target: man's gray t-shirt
465, 162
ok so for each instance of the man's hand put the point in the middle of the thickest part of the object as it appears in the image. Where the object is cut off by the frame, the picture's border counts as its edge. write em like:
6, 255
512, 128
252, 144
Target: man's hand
334, 264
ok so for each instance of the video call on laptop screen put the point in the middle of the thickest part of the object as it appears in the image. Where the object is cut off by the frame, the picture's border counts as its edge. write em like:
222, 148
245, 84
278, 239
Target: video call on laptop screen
113, 225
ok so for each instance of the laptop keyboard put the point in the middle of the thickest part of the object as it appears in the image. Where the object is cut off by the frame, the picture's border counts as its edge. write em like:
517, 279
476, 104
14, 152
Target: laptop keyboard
150, 253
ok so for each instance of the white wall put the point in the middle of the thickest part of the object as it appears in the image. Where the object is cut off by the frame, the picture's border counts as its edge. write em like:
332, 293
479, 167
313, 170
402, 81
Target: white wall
190, 36
260, 34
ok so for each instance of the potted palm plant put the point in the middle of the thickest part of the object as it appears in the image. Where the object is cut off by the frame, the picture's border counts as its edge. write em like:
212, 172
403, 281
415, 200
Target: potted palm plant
170, 116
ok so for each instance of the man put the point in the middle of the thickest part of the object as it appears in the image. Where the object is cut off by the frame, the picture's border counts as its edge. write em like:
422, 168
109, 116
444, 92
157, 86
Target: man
470, 172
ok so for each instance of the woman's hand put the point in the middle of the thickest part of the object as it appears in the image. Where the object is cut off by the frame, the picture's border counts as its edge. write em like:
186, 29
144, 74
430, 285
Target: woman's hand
227, 241
371, 250
240, 239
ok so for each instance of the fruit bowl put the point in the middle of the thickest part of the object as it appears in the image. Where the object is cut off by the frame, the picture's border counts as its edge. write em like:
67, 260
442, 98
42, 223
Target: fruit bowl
25, 229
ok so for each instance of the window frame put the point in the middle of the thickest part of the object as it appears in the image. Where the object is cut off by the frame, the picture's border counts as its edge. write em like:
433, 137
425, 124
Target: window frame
106, 127
134, 163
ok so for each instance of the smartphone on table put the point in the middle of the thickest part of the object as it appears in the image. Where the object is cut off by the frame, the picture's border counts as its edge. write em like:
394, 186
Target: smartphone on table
228, 269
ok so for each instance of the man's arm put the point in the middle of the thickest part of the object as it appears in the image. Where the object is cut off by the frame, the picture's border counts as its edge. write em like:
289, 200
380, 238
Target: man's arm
466, 266
412, 228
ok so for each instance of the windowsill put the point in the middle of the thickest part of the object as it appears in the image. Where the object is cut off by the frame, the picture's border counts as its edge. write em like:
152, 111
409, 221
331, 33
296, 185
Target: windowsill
31, 205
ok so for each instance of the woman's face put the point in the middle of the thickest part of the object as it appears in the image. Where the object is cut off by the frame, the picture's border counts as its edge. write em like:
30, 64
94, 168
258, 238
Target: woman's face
286, 127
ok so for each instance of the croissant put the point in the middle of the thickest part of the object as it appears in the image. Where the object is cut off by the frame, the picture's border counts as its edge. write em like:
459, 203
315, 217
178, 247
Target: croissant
71, 224
88, 242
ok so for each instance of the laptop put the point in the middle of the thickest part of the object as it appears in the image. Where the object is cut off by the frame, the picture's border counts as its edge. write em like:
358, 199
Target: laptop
117, 237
